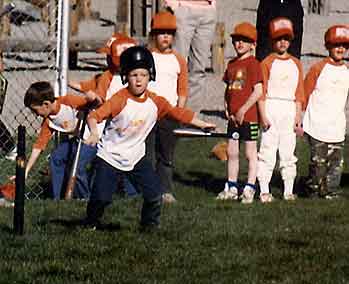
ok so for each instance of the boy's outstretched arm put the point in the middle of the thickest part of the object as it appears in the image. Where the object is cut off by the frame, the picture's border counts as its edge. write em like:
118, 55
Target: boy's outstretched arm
256, 94
94, 135
32, 160
201, 124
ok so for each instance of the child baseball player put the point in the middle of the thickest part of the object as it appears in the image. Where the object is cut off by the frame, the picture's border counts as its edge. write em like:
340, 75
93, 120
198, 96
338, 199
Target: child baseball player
326, 91
171, 83
280, 110
244, 80
59, 114
131, 114
109, 82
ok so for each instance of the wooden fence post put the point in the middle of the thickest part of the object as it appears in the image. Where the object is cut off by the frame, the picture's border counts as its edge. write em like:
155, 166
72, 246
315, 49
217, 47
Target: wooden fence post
218, 49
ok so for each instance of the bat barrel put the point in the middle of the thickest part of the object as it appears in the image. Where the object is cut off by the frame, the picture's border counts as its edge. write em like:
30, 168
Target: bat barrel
18, 216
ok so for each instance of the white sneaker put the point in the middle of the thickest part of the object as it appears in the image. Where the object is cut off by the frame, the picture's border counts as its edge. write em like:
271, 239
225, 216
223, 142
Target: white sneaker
12, 155
228, 193
5, 203
247, 195
168, 198
266, 198
290, 197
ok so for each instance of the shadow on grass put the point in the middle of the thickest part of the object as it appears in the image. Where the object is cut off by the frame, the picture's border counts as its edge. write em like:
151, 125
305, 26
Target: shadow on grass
201, 180
73, 224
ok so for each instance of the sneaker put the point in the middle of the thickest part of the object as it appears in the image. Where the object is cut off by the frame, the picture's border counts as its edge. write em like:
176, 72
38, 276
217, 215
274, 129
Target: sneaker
248, 195
5, 203
266, 198
228, 193
331, 196
168, 198
12, 155
290, 197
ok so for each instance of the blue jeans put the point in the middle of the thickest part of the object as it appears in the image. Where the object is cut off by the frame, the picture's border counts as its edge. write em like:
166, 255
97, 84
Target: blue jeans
60, 162
145, 179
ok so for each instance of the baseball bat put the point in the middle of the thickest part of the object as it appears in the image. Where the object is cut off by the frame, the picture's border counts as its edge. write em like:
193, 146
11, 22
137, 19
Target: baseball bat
192, 132
81, 129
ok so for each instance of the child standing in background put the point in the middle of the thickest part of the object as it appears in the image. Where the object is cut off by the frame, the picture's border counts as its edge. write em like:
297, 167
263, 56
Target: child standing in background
280, 110
244, 80
171, 83
326, 91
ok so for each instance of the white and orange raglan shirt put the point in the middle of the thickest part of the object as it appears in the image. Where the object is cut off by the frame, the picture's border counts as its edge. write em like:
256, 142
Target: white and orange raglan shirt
326, 92
129, 121
64, 119
283, 86
171, 76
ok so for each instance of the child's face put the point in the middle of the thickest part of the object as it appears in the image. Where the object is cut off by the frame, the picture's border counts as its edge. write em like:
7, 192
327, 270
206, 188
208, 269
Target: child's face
243, 47
43, 110
281, 45
164, 41
138, 80
337, 51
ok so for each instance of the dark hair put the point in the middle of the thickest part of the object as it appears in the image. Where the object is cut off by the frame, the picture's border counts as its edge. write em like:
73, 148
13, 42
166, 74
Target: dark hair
37, 93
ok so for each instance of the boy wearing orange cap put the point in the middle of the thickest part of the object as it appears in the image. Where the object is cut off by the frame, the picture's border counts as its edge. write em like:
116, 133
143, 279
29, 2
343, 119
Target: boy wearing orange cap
280, 109
326, 92
244, 80
172, 84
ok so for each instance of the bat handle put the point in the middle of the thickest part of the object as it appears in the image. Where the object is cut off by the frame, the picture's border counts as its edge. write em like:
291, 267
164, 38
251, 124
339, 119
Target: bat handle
70, 188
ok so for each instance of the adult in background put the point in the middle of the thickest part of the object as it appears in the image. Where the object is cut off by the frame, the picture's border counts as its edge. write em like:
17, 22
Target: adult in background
270, 9
196, 22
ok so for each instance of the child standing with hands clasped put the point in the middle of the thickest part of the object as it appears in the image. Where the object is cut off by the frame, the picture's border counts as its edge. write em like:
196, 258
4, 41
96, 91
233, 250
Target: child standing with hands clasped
131, 114
244, 80
326, 91
280, 110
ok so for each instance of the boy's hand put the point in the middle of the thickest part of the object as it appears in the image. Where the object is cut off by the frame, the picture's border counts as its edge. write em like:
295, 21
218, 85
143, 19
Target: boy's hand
92, 96
298, 128
240, 115
265, 123
92, 139
209, 126
233, 120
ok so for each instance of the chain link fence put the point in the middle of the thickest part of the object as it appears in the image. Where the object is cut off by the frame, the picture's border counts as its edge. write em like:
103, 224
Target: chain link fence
27, 36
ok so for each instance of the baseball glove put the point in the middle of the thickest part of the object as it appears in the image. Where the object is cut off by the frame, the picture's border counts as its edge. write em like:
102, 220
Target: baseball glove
219, 151
8, 190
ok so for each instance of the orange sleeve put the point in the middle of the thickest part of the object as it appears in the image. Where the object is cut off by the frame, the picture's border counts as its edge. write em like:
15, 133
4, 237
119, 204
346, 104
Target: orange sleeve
74, 101
300, 97
111, 107
182, 81
310, 81
103, 84
180, 114
89, 85
44, 136
265, 66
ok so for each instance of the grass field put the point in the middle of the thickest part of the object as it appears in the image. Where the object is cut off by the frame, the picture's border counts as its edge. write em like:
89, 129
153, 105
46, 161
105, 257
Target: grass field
200, 240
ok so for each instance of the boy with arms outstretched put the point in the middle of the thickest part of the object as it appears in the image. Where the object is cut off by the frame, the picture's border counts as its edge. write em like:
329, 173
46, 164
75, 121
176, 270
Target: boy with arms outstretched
131, 114
244, 80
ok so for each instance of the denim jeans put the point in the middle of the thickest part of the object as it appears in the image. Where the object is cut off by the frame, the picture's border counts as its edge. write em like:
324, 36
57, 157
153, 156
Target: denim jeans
143, 176
60, 162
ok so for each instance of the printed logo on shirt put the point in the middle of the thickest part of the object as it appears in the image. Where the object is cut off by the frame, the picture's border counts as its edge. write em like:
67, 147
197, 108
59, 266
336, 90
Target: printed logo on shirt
239, 80
131, 128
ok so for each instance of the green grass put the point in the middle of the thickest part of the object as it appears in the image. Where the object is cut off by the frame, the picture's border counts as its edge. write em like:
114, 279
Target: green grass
200, 241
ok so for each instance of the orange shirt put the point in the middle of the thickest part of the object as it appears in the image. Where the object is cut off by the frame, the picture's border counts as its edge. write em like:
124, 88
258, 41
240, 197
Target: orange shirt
241, 76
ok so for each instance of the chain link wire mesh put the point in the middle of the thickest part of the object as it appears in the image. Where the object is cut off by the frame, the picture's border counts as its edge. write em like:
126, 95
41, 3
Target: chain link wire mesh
28, 48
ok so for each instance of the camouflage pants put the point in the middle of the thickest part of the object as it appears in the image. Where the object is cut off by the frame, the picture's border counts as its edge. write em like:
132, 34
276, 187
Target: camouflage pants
326, 165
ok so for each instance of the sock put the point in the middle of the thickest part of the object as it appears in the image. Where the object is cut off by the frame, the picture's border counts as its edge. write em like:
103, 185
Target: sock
264, 186
232, 184
250, 185
288, 186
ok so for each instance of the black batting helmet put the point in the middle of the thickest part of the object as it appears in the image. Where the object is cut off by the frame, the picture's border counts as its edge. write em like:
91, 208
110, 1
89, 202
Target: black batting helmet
136, 57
